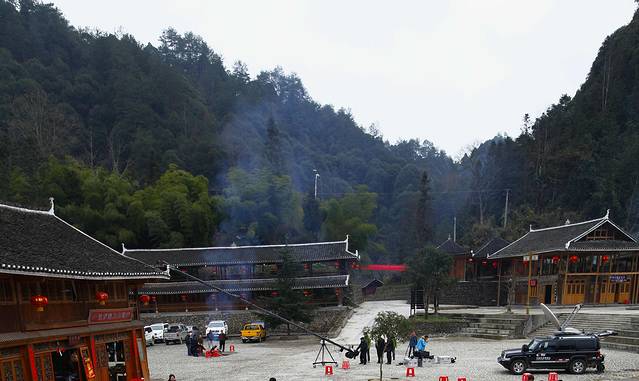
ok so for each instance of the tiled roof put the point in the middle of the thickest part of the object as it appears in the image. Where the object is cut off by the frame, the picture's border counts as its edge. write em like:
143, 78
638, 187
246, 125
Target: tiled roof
306, 252
491, 247
239, 285
453, 248
564, 238
38, 243
609, 245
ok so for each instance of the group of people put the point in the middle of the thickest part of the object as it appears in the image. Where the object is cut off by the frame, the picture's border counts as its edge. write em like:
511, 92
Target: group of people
195, 343
382, 345
417, 346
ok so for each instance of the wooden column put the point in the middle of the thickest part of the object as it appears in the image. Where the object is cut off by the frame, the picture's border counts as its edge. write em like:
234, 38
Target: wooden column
597, 287
498, 281
31, 363
563, 289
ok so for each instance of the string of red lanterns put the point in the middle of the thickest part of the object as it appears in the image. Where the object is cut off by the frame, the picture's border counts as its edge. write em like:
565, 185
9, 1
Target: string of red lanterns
145, 299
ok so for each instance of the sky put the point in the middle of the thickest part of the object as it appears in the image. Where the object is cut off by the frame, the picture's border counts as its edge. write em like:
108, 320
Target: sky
455, 72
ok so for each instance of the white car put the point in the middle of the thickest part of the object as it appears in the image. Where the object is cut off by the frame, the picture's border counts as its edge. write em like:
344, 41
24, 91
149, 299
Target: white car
158, 330
148, 335
217, 327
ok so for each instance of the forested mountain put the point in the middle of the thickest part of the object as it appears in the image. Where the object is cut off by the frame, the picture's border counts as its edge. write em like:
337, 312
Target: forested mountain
168, 145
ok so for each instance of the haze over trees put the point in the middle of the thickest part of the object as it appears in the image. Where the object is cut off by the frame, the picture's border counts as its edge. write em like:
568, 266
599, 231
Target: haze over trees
168, 145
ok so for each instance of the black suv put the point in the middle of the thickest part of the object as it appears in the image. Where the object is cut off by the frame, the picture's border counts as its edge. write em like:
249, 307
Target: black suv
572, 352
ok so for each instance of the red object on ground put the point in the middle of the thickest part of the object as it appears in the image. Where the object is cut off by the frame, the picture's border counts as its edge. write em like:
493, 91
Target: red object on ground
443, 378
328, 370
552, 376
410, 372
461, 378
232, 348
399, 268
346, 364
527, 377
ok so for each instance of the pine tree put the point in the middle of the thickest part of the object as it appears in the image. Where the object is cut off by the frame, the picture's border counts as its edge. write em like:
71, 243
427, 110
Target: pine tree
423, 224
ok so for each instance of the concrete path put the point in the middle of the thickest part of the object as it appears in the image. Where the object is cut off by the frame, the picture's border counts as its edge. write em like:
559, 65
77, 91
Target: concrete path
364, 316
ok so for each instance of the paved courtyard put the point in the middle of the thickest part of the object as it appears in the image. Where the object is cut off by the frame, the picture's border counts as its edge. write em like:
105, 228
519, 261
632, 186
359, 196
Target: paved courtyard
292, 360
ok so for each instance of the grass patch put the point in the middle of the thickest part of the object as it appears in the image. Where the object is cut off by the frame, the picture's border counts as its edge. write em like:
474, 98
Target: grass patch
431, 319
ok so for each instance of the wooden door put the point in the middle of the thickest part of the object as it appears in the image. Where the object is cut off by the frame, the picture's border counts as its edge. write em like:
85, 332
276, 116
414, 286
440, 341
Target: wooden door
623, 292
575, 292
44, 367
606, 292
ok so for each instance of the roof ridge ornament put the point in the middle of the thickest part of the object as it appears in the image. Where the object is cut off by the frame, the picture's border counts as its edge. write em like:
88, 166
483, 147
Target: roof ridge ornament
607, 216
567, 245
52, 208
123, 248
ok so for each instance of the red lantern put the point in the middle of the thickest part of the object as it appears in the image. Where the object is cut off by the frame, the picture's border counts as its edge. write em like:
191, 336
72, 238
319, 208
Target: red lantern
307, 293
605, 258
101, 297
574, 259
39, 302
354, 265
145, 299
184, 297
555, 259
494, 265
275, 294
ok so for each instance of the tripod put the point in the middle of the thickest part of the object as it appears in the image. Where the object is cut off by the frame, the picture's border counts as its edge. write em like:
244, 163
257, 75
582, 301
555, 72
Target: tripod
323, 350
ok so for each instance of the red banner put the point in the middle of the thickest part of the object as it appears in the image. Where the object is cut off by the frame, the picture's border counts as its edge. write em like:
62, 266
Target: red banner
399, 268
110, 315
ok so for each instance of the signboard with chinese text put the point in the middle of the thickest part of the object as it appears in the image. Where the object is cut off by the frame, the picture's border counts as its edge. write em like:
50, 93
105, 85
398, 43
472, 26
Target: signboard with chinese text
110, 315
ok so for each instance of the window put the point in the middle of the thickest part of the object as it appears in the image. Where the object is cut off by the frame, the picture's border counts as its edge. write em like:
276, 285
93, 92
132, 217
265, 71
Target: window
12, 370
566, 345
6, 292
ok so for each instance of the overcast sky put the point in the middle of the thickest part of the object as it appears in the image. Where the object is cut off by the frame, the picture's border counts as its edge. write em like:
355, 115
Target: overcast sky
453, 72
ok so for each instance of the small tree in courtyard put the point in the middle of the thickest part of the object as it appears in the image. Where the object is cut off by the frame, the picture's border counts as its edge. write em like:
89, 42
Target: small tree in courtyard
429, 270
284, 300
391, 326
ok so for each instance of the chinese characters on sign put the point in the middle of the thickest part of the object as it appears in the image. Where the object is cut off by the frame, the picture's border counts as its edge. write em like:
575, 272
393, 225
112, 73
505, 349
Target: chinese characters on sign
110, 316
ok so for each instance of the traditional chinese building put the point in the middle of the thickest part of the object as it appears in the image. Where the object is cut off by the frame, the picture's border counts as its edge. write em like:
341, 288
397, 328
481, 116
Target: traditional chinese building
460, 256
68, 302
594, 262
249, 271
479, 266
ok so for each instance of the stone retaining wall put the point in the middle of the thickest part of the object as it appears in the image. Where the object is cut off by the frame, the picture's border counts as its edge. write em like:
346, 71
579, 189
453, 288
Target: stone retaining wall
479, 293
324, 319
441, 328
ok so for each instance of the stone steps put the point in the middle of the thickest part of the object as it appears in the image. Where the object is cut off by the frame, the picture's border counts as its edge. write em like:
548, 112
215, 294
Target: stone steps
627, 338
494, 327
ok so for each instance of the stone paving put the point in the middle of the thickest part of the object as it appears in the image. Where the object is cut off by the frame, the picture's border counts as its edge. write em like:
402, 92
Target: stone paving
292, 360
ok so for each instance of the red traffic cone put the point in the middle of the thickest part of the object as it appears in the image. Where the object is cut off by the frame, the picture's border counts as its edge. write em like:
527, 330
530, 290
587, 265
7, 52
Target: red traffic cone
410, 372
328, 370
346, 364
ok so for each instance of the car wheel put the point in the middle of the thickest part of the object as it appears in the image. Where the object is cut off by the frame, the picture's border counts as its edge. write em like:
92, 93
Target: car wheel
518, 366
577, 366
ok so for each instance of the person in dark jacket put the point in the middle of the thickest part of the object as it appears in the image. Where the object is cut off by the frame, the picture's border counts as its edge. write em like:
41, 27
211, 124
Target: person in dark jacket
379, 348
363, 349
187, 341
390, 350
222, 338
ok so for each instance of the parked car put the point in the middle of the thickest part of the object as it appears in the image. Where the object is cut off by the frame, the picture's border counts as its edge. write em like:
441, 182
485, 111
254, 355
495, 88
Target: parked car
176, 333
158, 331
148, 335
572, 352
217, 327
253, 332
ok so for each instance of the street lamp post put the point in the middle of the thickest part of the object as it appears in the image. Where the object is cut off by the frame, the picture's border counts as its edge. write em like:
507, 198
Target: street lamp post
316, 179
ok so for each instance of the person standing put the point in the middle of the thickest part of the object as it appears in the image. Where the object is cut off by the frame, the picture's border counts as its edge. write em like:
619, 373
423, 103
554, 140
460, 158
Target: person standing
367, 337
209, 339
379, 348
363, 349
187, 341
222, 339
390, 350
412, 342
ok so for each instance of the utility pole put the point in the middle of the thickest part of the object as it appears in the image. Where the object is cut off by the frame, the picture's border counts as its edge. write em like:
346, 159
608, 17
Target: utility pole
316, 179
455, 229
506, 209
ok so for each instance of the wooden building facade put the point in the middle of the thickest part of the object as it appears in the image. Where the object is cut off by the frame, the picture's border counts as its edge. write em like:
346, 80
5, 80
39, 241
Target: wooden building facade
248, 271
591, 262
68, 302
459, 254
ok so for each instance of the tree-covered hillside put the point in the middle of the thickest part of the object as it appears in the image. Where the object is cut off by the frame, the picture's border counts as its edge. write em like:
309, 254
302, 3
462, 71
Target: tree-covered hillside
168, 145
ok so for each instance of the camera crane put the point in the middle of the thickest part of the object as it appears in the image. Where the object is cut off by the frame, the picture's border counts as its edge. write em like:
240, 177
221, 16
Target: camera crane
349, 352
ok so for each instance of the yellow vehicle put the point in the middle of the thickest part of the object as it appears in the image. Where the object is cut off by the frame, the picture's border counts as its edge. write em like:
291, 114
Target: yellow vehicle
253, 332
